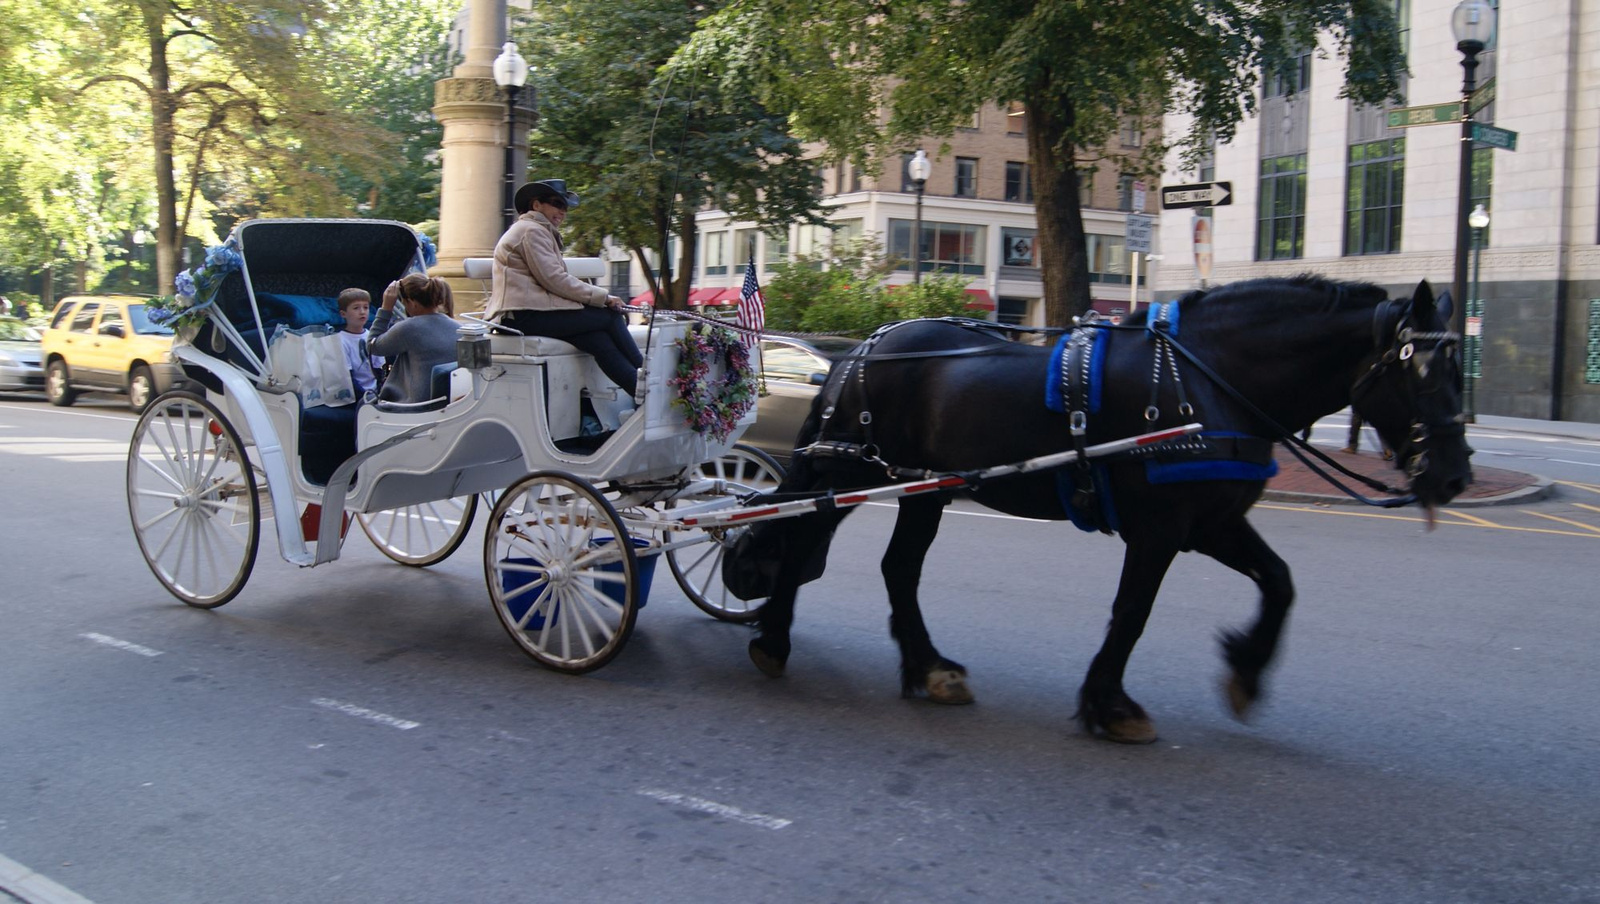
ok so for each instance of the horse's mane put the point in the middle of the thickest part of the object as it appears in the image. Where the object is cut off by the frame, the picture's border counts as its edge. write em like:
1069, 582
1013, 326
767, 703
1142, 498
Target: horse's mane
1308, 292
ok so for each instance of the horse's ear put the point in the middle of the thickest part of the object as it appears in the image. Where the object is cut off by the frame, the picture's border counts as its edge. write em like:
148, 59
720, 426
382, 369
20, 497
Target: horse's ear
1445, 305
1422, 298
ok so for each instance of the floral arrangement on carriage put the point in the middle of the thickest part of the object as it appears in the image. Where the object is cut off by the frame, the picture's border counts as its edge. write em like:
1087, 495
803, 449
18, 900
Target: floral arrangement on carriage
196, 288
715, 382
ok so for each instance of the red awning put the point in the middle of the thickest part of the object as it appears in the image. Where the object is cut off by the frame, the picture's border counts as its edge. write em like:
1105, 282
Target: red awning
980, 299
646, 297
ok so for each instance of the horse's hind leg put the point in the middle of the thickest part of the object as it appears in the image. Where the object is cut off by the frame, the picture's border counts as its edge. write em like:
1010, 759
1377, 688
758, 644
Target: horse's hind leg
922, 669
1248, 653
1103, 705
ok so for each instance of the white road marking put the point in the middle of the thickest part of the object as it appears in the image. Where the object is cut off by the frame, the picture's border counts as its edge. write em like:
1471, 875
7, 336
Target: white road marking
701, 805
127, 418
120, 644
24, 884
67, 449
361, 712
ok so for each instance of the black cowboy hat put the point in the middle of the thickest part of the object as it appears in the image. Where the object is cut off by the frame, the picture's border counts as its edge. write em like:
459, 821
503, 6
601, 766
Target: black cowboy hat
545, 190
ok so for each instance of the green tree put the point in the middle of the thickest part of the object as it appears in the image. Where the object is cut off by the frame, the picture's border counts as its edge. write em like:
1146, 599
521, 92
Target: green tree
648, 148
845, 293
870, 77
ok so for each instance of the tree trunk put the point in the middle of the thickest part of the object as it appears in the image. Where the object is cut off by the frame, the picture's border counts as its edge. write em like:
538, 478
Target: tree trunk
680, 281
1060, 247
161, 110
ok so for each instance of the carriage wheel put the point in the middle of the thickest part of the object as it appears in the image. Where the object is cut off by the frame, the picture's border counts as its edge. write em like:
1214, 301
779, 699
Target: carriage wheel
424, 534
565, 589
699, 568
192, 498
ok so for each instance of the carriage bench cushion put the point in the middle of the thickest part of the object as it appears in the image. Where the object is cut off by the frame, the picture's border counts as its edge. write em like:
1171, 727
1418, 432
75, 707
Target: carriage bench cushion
297, 311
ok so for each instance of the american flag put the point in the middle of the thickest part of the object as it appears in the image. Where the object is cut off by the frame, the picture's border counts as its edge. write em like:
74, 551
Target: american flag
752, 307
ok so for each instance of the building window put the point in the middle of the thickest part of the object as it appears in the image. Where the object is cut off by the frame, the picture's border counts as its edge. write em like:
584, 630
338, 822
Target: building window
1293, 78
1012, 311
1125, 193
621, 282
1591, 361
1019, 182
1109, 261
966, 177
1131, 134
777, 248
1281, 214
846, 239
1016, 119
946, 247
1373, 197
975, 123
1016, 247
716, 253
744, 248
850, 176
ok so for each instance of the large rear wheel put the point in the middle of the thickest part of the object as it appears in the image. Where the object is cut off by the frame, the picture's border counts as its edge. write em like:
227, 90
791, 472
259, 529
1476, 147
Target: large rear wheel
743, 470
423, 534
192, 498
561, 571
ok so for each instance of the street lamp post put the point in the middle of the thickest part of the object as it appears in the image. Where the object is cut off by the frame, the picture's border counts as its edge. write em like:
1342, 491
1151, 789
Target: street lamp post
510, 73
1473, 23
919, 169
1479, 221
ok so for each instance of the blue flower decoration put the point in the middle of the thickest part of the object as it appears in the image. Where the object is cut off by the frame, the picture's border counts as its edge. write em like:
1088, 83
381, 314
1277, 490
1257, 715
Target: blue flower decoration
184, 283
430, 255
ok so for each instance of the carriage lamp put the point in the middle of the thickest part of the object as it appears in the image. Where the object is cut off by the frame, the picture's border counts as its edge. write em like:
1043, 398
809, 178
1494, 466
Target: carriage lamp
510, 73
919, 169
1473, 22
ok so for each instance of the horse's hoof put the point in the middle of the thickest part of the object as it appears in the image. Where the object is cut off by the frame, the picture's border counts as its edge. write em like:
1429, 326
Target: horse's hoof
948, 686
1240, 700
1131, 731
770, 665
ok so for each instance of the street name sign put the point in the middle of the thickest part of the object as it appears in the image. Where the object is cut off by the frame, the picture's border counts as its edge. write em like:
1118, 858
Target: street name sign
1405, 117
1139, 227
1206, 194
1493, 136
1482, 97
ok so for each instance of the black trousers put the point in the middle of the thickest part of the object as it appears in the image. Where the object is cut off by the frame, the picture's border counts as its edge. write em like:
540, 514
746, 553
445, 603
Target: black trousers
600, 332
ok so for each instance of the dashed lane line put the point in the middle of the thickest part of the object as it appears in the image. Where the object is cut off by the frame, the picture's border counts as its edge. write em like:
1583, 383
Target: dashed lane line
1588, 527
701, 805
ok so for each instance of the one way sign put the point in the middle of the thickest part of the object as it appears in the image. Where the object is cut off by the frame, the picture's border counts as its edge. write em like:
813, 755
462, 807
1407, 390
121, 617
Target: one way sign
1209, 194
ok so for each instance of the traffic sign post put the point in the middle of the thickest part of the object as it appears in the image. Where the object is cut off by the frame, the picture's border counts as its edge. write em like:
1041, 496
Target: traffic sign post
1206, 194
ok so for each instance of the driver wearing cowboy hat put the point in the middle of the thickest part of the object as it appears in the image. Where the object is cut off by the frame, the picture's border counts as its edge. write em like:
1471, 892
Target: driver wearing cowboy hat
534, 294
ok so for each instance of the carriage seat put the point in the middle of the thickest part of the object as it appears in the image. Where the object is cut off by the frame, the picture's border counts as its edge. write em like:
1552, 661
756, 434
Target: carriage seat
438, 392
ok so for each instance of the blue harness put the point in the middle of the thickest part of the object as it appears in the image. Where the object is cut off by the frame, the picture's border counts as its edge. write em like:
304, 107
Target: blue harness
1075, 386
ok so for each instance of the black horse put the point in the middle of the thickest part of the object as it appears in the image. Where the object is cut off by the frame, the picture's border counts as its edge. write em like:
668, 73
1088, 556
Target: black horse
1269, 357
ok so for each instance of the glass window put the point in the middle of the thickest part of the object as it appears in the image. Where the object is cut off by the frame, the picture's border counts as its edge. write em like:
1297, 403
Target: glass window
1131, 133
1019, 182
83, 320
777, 247
1291, 79
1016, 247
1012, 311
850, 176
620, 280
946, 247
785, 362
1109, 260
1016, 119
744, 247
1373, 197
716, 253
1125, 193
111, 322
1281, 212
966, 177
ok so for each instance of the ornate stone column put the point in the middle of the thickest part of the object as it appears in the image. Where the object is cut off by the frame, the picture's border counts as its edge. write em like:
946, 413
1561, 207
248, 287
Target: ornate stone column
472, 109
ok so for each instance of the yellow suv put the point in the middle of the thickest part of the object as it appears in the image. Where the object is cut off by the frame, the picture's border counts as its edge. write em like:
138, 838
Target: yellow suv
106, 343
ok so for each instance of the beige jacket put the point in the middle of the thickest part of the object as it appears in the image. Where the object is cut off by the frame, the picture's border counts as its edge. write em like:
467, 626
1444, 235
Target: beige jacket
529, 273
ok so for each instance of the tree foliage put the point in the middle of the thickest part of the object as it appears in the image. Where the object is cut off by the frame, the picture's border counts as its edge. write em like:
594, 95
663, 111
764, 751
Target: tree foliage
845, 294
871, 77
648, 148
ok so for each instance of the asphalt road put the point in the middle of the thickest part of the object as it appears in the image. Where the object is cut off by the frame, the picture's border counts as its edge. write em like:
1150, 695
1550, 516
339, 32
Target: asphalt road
362, 732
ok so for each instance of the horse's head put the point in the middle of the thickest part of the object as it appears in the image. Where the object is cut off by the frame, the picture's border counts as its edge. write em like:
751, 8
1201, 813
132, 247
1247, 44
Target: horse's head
1411, 395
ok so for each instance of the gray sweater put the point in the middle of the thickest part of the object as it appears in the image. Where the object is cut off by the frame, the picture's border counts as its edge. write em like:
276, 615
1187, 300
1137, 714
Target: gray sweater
414, 345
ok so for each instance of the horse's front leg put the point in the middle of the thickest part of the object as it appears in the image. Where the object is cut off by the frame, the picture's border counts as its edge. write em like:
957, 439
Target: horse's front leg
802, 538
1248, 653
1103, 705
922, 669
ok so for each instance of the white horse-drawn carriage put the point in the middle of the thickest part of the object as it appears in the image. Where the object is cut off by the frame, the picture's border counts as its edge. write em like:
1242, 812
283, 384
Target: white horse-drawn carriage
579, 515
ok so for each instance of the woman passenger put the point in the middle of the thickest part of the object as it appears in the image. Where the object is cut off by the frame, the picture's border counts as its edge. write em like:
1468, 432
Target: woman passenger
416, 344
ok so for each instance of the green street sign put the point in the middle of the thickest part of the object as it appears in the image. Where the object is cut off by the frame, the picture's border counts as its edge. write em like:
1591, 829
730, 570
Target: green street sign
1482, 97
1504, 139
1432, 114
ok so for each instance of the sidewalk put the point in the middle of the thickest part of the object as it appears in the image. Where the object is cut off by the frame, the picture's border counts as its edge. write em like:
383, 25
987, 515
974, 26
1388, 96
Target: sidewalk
1490, 486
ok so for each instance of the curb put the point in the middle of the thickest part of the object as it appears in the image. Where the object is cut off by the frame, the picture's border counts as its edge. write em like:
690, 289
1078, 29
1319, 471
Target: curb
1542, 488
18, 881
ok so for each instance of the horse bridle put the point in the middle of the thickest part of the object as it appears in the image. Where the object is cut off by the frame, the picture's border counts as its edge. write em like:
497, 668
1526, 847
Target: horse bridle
1423, 361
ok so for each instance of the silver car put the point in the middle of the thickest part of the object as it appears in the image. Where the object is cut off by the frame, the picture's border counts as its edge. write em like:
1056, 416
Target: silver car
19, 357
794, 370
